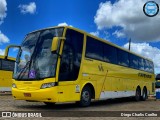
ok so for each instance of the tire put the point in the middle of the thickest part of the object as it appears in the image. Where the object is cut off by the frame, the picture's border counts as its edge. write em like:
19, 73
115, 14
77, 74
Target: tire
49, 104
144, 94
138, 94
85, 97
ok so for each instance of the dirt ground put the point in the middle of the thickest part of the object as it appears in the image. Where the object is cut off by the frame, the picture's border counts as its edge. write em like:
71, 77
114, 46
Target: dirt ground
95, 111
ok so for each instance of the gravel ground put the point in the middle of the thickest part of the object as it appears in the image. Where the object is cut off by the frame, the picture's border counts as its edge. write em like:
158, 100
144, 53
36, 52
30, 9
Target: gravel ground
9, 104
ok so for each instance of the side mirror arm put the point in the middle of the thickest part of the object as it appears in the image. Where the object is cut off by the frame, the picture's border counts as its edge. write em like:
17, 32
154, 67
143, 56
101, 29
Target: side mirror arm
7, 50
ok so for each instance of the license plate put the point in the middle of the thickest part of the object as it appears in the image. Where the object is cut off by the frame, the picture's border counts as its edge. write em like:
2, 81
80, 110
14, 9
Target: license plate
27, 94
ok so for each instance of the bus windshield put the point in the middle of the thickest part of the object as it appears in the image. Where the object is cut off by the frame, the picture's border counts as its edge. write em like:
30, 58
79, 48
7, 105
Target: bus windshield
35, 60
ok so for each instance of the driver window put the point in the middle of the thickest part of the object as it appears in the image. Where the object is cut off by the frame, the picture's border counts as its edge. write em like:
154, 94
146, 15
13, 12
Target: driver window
71, 56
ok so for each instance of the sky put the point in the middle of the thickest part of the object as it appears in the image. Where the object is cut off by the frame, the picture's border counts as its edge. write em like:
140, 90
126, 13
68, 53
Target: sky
114, 20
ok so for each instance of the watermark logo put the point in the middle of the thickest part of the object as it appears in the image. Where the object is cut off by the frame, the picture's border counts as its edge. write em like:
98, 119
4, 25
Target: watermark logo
151, 8
6, 114
20, 114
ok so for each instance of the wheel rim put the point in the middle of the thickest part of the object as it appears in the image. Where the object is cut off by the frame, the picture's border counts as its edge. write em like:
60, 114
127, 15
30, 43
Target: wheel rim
138, 93
144, 95
85, 96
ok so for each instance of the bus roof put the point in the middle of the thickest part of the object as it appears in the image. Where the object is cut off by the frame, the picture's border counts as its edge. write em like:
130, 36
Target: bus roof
100, 39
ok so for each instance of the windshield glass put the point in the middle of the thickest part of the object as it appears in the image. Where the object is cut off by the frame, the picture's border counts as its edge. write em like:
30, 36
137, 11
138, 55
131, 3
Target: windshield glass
35, 60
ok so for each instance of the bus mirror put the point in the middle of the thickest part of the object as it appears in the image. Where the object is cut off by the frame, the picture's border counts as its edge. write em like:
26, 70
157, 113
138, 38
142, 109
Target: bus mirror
7, 50
158, 77
55, 43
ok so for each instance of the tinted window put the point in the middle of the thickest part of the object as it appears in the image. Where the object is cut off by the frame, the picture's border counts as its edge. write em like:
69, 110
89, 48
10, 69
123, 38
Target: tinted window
133, 61
141, 63
146, 66
123, 58
71, 56
151, 67
0, 64
7, 65
110, 54
94, 49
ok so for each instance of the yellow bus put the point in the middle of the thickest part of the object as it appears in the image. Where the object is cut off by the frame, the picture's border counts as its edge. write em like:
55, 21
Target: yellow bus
64, 64
6, 71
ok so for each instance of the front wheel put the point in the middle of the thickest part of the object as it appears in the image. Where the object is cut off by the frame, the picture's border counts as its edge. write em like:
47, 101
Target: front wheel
85, 97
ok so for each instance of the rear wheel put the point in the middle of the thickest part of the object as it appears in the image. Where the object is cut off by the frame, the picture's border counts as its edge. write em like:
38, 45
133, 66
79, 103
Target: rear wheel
144, 94
85, 97
138, 94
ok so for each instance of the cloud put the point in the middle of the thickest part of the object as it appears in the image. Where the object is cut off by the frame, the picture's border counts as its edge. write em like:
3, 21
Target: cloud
3, 38
129, 16
2, 51
3, 9
15, 49
147, 51
64, 24
30, 8
95, 33
119, 34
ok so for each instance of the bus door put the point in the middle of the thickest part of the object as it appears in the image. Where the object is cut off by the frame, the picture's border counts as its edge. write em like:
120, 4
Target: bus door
70, 62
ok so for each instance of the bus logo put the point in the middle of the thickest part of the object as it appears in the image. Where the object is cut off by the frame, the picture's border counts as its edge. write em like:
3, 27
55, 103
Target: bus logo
32, 74
151, 8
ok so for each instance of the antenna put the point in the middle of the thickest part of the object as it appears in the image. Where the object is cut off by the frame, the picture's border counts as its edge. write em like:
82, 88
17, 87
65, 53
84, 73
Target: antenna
129, 44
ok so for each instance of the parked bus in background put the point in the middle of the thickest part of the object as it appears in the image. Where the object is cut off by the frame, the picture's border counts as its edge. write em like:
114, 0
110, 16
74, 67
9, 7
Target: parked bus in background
64, 64
6, 71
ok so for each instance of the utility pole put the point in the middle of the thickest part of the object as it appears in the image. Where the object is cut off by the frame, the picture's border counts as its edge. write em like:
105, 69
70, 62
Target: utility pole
129, 44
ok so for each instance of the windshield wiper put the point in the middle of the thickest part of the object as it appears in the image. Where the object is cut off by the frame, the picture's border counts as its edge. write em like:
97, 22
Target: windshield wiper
23, 69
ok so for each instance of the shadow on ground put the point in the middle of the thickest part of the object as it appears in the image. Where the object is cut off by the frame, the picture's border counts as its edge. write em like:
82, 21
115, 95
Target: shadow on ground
73, 106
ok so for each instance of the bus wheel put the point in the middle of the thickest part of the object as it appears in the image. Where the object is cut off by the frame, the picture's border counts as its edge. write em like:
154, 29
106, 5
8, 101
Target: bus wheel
144, 94
85, 97
138, 94
49, 103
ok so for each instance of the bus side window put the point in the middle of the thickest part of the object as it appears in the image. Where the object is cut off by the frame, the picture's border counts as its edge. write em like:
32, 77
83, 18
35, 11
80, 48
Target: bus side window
0, 64
141, 64
94, 49
7, 65
151, 67
110, 54
146, 65
123, 58
133, 61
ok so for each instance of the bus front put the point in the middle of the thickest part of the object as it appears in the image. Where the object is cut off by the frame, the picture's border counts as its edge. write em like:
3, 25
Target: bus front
35, 68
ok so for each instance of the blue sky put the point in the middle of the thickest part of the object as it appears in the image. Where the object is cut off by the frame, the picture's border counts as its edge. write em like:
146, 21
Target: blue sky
95, 17
78, 13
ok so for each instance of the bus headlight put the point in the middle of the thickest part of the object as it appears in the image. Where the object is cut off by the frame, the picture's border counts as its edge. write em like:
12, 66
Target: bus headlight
47, 85
14, 85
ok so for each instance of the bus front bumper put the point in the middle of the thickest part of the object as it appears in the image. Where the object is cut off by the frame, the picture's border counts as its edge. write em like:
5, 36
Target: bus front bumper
42, 95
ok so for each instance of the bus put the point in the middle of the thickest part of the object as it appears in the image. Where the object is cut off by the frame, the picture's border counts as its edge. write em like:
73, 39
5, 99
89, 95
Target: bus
65, 64
6, 71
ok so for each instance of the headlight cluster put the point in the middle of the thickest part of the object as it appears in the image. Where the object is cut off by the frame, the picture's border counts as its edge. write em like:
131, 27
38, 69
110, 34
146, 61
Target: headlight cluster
14, 85
47, 85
